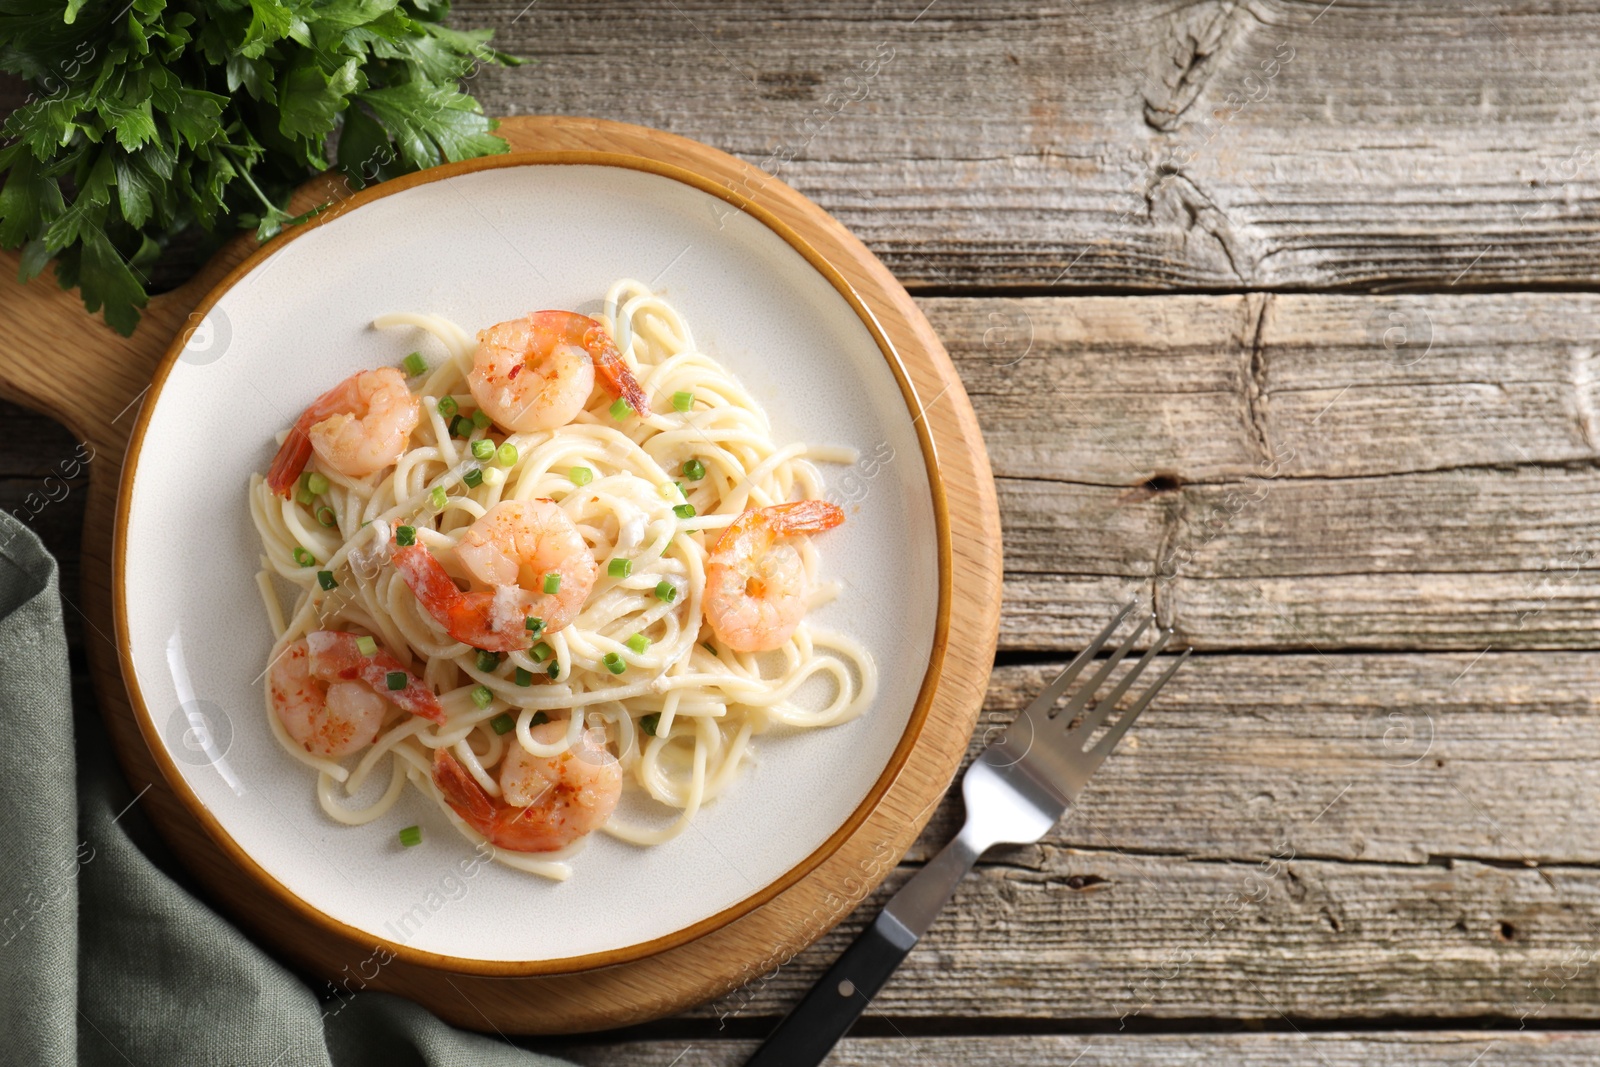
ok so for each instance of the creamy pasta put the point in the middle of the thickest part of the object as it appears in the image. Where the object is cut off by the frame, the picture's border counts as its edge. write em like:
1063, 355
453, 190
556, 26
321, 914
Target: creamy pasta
638, 676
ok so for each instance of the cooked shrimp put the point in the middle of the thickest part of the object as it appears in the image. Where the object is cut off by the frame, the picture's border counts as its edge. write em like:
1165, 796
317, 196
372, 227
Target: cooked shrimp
536, 372
520, 549
756, 582
338, 656
545, 803
357, 428
331, 699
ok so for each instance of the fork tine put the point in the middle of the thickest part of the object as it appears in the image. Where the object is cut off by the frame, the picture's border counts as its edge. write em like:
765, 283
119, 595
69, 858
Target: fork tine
1103, 747
1103, 707
1052, 692
1080, 699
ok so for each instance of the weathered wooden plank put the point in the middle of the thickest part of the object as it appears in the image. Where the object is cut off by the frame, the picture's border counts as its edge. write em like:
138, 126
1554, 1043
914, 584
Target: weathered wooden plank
1101, 144
1229, 388
1464, 559
1108, 391
1289, 1049
1296, 475
1385, 758
1107, 935
1456, 611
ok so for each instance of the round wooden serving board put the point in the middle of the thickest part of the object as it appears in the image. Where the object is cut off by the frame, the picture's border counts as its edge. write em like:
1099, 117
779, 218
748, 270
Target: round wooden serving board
59, 360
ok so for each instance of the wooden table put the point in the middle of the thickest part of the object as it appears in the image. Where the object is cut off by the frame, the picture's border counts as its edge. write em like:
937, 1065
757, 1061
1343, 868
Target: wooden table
1286, 316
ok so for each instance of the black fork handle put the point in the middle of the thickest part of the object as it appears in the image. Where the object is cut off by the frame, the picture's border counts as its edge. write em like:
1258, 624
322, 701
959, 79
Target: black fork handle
840, 996
833, 1005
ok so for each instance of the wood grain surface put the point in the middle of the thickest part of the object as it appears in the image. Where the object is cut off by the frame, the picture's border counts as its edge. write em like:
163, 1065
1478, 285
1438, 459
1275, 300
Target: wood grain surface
1293, 471
1223, 144
1312, 366
1445, 1049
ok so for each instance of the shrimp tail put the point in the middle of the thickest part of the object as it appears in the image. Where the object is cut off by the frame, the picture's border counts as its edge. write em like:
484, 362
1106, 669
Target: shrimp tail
426, 576
468, 617
609, 364
805, 516
415, 697
512, 828
289, 462
295, 451
462, 792
779, 520
336, 654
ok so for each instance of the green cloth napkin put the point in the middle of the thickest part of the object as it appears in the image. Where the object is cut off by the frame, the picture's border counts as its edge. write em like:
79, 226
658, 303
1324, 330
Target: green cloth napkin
105, 958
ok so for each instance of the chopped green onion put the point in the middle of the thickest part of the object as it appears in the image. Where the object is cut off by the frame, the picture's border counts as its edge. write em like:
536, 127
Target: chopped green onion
614, 663
473, 478
682, 401
555, 670
638, 642
648, 723
481, 419
326, 516
487, 661
694, 470
447, 407
552, 582
502, 723
366, 645
317, 482
620, 409
482, 696
540, 652
666, 591
534, 626
395, 680
437, 498
506, 455
405, 536
670, 492
482, 448
539, 717
302, 557
460, 426
580, 475
709, 647
414, 364
304, 496
620, 568
411, 836
684, 511
326, 579
493, 476
523, 678
304, 481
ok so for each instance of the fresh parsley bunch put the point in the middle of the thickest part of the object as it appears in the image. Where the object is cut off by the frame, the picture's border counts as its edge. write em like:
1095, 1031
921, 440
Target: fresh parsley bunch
156, 127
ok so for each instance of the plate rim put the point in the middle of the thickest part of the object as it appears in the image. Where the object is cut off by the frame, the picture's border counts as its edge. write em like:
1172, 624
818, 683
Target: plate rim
917, 720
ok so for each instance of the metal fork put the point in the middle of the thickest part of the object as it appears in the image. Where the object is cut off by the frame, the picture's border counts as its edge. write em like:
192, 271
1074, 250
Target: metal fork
1015, 791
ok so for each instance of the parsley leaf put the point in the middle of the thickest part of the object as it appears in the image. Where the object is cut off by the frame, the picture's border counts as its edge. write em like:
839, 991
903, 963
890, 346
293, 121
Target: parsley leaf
160, 126
432, 124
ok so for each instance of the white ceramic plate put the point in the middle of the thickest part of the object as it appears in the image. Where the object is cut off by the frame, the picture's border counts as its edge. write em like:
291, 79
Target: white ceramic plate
481, 247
